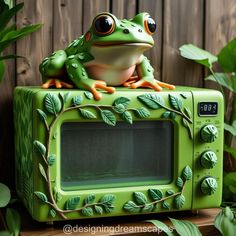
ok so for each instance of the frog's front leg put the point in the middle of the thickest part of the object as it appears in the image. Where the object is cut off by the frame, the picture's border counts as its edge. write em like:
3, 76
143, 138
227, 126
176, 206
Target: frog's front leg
80, 78
145, 73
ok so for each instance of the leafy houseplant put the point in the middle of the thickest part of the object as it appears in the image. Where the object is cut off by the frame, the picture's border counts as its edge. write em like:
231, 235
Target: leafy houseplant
8, 33
226, 79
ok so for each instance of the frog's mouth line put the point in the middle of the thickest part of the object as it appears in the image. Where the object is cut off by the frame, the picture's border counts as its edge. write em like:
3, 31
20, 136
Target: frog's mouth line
109, 44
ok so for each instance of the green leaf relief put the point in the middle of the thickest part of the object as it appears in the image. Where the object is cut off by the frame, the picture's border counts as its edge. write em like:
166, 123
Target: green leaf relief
155, 194
179, 201
142, 112
52, 213
166, 205
119, 108
176, 102
98, 210
107, 199
170, 192
166, 114
87, 114
51, 159
89, 199
122, 100
140, 198
153, 101
88, 95
41, 196
52, 103
188, 112
108, 208
126, 116
77, 100
65, 97
43, 173
40, 147
187, 173
131, 207
179, 182
148, 208
72, 203
42, 115
87, 211
108, 117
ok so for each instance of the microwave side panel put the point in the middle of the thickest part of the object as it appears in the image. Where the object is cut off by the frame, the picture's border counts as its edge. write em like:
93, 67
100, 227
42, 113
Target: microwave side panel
23, 123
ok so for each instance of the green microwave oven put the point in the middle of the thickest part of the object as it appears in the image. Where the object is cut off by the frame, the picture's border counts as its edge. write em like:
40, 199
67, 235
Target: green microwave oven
132, 152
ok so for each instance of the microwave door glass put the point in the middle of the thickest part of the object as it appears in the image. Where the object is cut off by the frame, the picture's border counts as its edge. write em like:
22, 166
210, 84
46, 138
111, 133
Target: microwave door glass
95, 155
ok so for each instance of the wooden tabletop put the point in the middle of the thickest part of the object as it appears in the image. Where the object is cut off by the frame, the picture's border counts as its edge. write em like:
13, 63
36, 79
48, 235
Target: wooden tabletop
132, 225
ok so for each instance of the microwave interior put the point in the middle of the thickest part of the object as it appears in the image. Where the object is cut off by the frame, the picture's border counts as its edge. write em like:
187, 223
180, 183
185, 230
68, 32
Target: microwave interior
96, 155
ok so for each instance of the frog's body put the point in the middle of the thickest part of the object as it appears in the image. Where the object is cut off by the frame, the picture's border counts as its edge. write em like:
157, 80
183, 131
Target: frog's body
108, 54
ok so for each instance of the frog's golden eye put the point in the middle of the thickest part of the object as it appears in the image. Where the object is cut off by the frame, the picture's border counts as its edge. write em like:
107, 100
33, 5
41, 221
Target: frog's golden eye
103, 25
150, 25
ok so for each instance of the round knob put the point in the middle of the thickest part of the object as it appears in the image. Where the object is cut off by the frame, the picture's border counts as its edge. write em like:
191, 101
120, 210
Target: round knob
208, 159
209, 186
209, 133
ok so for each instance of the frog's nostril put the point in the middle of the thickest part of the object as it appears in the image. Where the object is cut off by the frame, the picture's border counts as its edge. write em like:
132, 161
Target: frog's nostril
140, 31
126, 31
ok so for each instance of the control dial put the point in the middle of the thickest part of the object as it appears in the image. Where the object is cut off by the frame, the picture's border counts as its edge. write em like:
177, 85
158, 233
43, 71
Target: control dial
208, 159
209, 185
209, 133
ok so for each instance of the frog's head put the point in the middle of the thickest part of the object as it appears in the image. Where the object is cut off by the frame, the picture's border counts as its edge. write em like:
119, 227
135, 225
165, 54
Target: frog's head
107, 30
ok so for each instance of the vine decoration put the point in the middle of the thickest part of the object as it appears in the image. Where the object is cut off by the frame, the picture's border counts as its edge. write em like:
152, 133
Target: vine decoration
154, 101
141, 204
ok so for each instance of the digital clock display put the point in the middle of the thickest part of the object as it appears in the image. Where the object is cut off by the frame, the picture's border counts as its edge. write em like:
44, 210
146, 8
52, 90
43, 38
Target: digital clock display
207, 108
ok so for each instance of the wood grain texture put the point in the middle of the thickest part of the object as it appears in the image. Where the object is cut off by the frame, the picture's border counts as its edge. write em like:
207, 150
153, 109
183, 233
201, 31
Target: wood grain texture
124, 9
182, 23
68, 15
154, 8
37, 45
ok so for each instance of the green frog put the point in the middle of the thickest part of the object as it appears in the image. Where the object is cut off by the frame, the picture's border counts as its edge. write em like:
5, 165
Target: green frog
107, 55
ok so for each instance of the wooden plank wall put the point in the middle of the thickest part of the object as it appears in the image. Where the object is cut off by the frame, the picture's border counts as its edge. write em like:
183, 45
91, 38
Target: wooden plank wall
206, 23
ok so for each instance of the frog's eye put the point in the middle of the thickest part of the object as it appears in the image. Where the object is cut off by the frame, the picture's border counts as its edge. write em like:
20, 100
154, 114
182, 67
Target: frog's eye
103, 25
150, 25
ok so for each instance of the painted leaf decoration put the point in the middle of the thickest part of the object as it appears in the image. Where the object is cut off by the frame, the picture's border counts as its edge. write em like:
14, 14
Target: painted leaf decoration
107, 199
108, 208
153, 101
155, 194
72, 203
58, 197
188, 112
53, 213
65, 96
179, 201
166, 114
185, 122
119, 108
98, 210
131, 207
140, 198
42, 171
170, 192
175, 102
166, 205
172, 115
122, 100
42, 115
147, 208
87, 114
77, 100
88, 95
185, 228
52, 103
187, 173
87, 211
108, 117
41, 196
51, 159
142, 112
40, 147
179, 182
89, 199
126, 116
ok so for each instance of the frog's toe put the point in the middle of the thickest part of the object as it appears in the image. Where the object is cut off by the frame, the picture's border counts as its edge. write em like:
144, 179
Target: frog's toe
165, 85
56, 83
105, 87
97, 95
146, 84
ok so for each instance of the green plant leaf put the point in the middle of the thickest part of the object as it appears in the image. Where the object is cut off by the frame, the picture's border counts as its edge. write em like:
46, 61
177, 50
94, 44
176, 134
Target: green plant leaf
140, 198
87, 114
155, 194
147, 208
52, 213
89, 199
2, 70
6, 30
5, 195
126, 116
166, 114
142, 112
188, 112
42, 115
227, 56
88, 95
122, 100
163, 227
187, 173
108, 117
166, 205
185, 122
172, 115
152, 101
119, 108
230, 150
222, 79
231, 128
13, 221
176, 102
179, 182
65, 96
87, 211
77, 100
108, 208
179, 201
5, 233
170, 192
52, 103
43, 173
197, 54
185, 228
51, 159
72, 203
40, 147
41, 196
107, 199
98, 209
131, 207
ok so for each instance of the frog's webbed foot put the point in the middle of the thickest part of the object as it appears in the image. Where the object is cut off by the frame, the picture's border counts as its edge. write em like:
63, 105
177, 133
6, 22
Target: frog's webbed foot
131, 80
151, 83
56, 83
